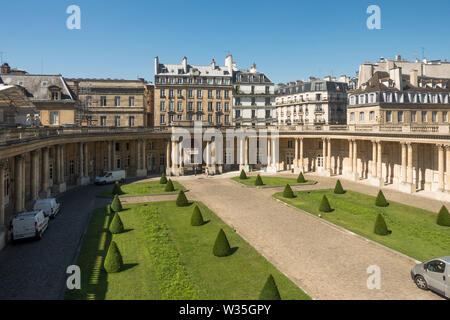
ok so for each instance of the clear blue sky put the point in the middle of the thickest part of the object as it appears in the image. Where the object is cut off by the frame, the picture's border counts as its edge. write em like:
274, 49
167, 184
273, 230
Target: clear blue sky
288, 40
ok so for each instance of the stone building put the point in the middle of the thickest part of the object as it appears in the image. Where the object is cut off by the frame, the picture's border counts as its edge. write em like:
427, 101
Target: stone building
185, 92
16, 109
253, 99
316, 102
111, 102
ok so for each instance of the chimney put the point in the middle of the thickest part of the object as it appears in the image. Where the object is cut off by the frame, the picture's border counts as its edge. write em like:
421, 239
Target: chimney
184, 63
253, 68
76, 87
413, 78
213, 64
156, 65
229, 63
5, 68
396, 75
398, 58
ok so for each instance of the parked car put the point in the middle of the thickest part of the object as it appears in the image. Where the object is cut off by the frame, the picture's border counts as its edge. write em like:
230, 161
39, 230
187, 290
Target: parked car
49, 206
29, 225
433, 275
111, 177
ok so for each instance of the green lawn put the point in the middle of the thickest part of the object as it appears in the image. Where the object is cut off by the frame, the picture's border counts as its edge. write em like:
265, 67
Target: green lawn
136, 189
166, 258
414, 231
271, 181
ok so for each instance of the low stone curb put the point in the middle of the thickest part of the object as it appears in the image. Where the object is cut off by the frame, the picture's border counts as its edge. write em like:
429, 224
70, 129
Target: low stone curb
273, 187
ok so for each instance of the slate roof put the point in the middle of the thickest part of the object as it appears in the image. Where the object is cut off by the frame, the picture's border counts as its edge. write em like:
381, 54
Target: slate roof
177, 69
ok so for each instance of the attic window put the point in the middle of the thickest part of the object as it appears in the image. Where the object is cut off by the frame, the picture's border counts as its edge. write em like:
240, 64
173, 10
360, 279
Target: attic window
44, 83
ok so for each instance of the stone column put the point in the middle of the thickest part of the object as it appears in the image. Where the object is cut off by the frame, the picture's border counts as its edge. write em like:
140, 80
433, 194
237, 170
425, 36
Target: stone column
350, 157
269, 156
296, 154
81, 154
140, 158
329, 156
301, 155
207, 153
447, 161
168, 158
45, 193
109, 152
34, 175
441, 167
57, 168
241, 153
355, 159
144, 157
113, 155
410, 175
180, 159
380, 164
275, 156
404, 163
374, 159
18, 184
247, 142
324, 153
86, 159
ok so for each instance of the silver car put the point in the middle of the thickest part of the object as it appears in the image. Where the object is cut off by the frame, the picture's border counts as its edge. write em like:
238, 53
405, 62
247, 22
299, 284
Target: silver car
433, 275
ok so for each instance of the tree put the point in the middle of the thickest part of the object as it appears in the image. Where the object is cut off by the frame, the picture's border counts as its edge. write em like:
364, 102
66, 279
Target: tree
381, 200
116, 225
116, 189
301, 178
163, 179
325, 205
338, 188
221, 246
116, 205
182, 200
270, 290
243, 175
113, 262
258, 181
169, 186
380, 226
443, 218
288, 193
197, 218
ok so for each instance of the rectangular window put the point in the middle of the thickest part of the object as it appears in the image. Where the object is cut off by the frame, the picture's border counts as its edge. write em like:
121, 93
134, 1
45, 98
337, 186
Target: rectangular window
218, 119
171, 93
103, 121
218, 94
352, 116
227, 106
162, 119
180, 106
190, 93
199, 94
131, 121
400, 116
117, 101
117, 121
171, 106
388, 116
210, 118
434, 116
199, 106
162, 93
54, 117
180, 93
199, 117
103, 101
372, 115
162, 106
218, 106
55, 95
227, 119
361, 116
413, 116
210, 106
227, 94
131, 101
424, 116
210, 95
444, 116
238, 113
267, 113
190, 106
171, 118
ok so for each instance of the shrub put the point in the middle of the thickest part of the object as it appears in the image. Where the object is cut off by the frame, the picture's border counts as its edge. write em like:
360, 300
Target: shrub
243, 175
108, 209
163, 179
443, 218
182, 200
338, 188
169, 186
116, 225
197, 218
380, 226
221, 246
301, 178
270, 290
381, 200
325, 205
288, 193
258, 181
116, 189
116, 205
113, 262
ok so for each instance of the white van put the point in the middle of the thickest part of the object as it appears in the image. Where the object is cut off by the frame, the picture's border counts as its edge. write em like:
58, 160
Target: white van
111, 177
49, 206
29, 225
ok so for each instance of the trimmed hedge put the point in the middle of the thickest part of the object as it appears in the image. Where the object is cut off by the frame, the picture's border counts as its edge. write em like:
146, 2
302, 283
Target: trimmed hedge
169, 186
338, 189
197, 218
380, 226
301, 178
258, 181
163, 179
116, 225
116, 205
182, 200
221, 246
243, 175
116, 189
270, 290
108, 209
443, 218
288, 193
381, 200
325, 205
113, 262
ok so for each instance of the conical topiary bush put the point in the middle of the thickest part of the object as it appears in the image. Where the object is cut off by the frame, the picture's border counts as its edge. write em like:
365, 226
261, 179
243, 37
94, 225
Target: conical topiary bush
182, 200
108, 209
243, 175
338, 188
258, 181
169, 186
381, 200
288, 193
116, 225
325, 205
301, 178
197, 218
443, 218
380, 226
270, 290
116, 189
221, 246
116, 205
163, 179
113, 261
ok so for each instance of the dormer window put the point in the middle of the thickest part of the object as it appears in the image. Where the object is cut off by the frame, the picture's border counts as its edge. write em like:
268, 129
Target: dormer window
54, 93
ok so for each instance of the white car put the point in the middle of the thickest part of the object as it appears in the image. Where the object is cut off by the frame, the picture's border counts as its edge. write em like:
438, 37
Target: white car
29, 225
49, 206
111, 177
433, 275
